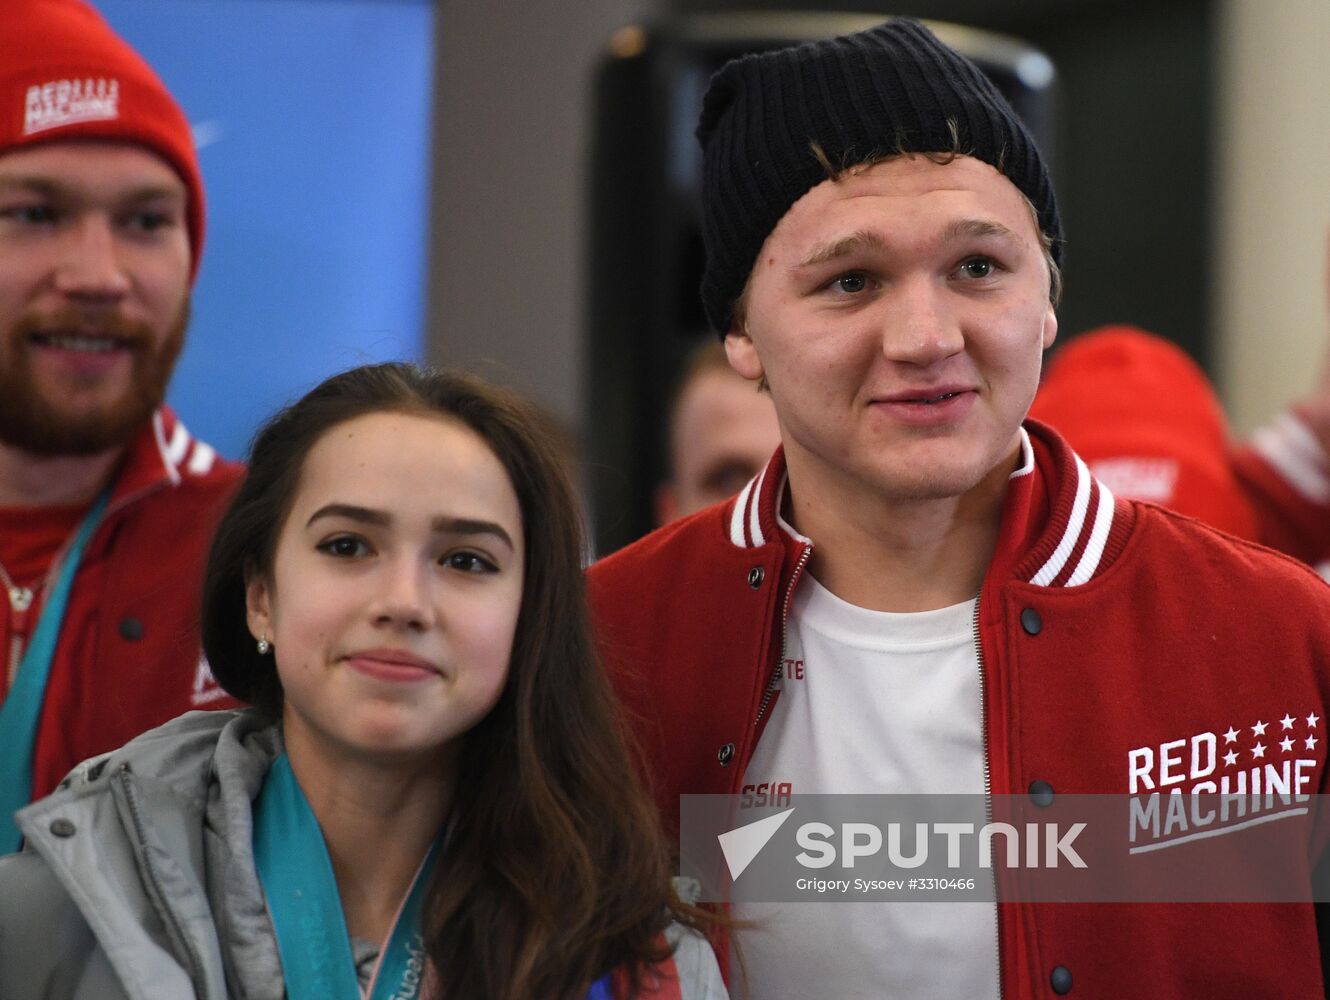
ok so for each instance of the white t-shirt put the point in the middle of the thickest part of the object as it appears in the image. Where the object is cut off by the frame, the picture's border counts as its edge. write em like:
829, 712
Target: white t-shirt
872, 702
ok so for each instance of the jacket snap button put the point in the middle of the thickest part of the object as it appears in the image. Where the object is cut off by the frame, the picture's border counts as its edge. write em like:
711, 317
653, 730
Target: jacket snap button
725, 754
755, 576
1041, 794
1060, 980
62, 828
131, 629
1031, 622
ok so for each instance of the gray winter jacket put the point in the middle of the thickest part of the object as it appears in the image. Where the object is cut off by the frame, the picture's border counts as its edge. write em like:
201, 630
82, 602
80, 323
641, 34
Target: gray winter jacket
137, 877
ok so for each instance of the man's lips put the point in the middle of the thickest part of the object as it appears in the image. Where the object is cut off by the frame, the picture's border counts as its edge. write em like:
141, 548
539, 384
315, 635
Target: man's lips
930, 407
82, 341
392, 665
926, 395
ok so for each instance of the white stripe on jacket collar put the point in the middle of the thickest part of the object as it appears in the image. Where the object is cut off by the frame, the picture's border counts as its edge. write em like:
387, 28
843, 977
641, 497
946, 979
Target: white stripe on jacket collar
744, 514
746, 531
177, 448
1098, 529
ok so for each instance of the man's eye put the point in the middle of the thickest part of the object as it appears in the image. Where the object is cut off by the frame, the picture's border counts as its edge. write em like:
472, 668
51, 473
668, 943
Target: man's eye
344, 547
469, 562
977, 267
148, 222
33, 215
852, 283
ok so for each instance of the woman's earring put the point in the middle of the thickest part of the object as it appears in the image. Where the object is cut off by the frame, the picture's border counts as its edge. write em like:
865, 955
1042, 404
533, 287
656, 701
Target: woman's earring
264, 646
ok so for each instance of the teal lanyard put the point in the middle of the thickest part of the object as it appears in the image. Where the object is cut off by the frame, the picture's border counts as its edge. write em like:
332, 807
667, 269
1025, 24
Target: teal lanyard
22, 708
301, 890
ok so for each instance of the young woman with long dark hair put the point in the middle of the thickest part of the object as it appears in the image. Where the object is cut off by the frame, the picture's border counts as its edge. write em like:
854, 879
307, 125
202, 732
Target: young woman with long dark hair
432, 795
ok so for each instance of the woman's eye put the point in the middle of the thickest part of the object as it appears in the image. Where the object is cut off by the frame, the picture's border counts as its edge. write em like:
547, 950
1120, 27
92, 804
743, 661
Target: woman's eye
977, 267
469, 562
344, 546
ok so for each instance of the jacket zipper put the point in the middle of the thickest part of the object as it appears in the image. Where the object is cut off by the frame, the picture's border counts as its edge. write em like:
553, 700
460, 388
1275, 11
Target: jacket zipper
21, 598
988, 783
779, 672
20, 603
195, 964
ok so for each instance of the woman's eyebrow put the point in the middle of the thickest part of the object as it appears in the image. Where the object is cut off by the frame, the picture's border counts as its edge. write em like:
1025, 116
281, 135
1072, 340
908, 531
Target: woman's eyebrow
472, 526
365, 515
443, 523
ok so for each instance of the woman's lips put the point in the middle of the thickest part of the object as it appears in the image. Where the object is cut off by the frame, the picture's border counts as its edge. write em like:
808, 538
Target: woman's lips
392, 665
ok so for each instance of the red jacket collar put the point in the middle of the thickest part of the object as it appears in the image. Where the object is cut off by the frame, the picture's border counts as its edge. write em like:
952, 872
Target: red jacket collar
162, 453
1061, 527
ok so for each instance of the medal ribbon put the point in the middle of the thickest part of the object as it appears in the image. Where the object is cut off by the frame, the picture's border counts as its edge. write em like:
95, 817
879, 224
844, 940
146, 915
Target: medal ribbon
22, 708
301, 890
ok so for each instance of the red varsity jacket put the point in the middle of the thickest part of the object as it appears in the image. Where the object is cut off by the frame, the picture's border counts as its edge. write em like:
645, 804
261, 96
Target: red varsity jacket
129, 658
1105, 626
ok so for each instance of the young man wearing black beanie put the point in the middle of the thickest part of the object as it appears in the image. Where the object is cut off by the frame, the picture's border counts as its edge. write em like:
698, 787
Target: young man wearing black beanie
922, 593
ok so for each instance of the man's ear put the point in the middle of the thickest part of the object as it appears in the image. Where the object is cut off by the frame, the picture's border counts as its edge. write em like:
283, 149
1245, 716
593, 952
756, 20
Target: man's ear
1050, 327
742, 355
258, 606
666, 504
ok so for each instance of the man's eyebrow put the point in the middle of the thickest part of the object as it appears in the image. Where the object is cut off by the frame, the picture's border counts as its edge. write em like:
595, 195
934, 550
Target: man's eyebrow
25, 182
862, 239
50, 188
155, 191
442, 524
972, 228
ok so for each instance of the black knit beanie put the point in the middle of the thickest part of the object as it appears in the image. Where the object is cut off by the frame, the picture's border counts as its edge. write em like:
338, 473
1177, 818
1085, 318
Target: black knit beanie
892, 89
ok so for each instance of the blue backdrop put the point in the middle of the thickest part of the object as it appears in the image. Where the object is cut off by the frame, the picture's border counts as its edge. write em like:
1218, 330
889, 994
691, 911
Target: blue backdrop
313, 122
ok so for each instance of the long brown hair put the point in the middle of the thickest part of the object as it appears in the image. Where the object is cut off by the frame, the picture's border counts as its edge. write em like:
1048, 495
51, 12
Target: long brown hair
556, 871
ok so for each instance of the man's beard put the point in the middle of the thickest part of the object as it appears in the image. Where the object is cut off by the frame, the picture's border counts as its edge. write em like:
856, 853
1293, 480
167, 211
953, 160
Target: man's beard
32, 422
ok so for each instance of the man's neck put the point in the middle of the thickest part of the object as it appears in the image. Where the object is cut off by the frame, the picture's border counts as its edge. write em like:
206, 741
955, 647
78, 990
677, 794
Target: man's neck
901, 555
28, 480
378, 821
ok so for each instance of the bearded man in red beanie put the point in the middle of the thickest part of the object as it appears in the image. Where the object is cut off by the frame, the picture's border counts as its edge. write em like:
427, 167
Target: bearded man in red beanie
107, 502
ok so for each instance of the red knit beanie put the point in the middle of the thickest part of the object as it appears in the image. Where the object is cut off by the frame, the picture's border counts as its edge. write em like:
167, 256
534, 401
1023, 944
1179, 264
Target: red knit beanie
1146, 420
64, 74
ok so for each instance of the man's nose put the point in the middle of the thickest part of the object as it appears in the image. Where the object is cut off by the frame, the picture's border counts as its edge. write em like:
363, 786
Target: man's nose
918, 325
91, 264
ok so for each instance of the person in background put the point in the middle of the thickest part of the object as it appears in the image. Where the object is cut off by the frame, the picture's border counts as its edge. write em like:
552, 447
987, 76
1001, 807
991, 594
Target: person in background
107, 502
1150, 426
922, 593
721, 433
432, 795
1285, 469
1148, 423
